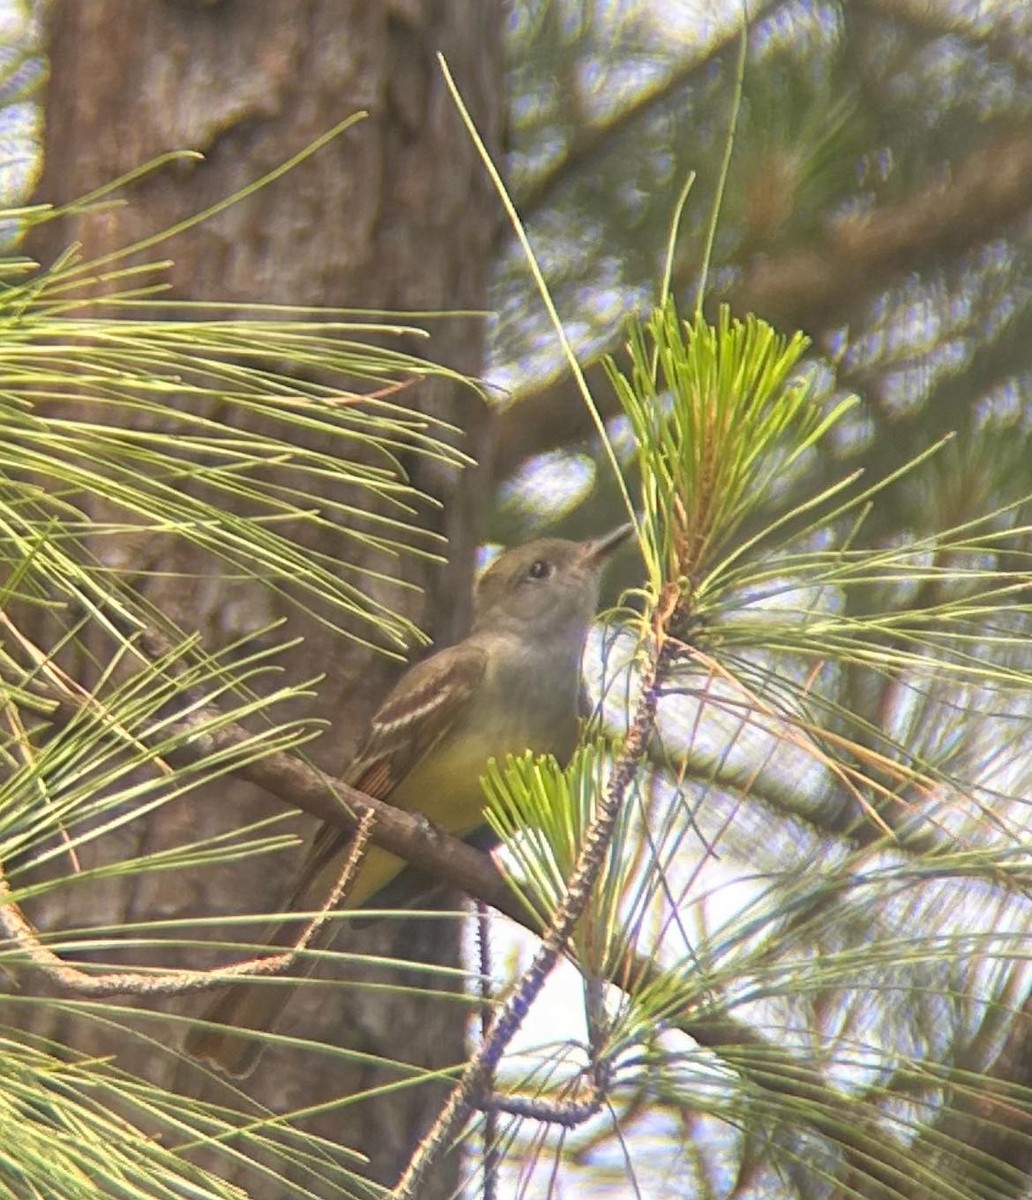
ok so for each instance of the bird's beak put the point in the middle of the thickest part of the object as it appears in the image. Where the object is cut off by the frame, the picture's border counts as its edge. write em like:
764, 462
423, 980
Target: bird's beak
597, 551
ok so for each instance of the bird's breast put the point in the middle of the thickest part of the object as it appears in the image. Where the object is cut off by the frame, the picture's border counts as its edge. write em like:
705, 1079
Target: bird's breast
521, 706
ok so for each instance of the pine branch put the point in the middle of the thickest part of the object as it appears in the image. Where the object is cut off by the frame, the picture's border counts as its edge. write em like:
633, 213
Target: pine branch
15, 926
814, 285
206, 733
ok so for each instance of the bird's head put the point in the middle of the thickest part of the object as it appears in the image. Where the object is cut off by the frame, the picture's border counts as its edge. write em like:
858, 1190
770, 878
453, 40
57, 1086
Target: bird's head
548, 586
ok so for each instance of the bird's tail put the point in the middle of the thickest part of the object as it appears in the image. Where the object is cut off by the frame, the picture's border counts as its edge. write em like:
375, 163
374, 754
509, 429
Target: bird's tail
224, 1041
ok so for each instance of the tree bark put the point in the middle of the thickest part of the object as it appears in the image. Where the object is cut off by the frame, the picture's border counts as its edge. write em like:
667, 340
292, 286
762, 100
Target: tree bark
394, 215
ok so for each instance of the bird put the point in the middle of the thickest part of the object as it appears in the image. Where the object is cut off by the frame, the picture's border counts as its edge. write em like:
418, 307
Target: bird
512, 685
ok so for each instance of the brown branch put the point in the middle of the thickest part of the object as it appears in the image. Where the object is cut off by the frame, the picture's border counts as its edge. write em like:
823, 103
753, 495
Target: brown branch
816, 284
18, 929
205, 734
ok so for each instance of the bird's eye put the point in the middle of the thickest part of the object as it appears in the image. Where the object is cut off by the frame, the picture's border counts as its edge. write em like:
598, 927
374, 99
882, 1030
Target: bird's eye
540, 568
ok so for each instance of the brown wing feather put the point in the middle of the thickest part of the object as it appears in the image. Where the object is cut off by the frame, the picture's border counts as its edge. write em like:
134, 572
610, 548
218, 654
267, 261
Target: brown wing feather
417, 713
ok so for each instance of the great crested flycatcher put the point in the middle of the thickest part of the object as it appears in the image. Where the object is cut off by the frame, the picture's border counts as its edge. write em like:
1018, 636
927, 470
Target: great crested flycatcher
512, 685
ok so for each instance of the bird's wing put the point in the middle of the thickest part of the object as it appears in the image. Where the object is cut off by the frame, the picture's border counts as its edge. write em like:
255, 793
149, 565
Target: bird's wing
416, 715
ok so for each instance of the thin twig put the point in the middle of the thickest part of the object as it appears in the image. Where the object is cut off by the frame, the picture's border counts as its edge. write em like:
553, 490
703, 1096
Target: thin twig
492, 1153
567, 1113
18, 929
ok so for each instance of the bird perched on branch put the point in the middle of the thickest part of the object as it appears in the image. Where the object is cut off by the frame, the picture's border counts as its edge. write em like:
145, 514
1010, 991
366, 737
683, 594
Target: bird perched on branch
512, 685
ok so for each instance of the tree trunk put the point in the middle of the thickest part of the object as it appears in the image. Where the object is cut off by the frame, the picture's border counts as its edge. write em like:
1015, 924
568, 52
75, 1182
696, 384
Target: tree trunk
394, 215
